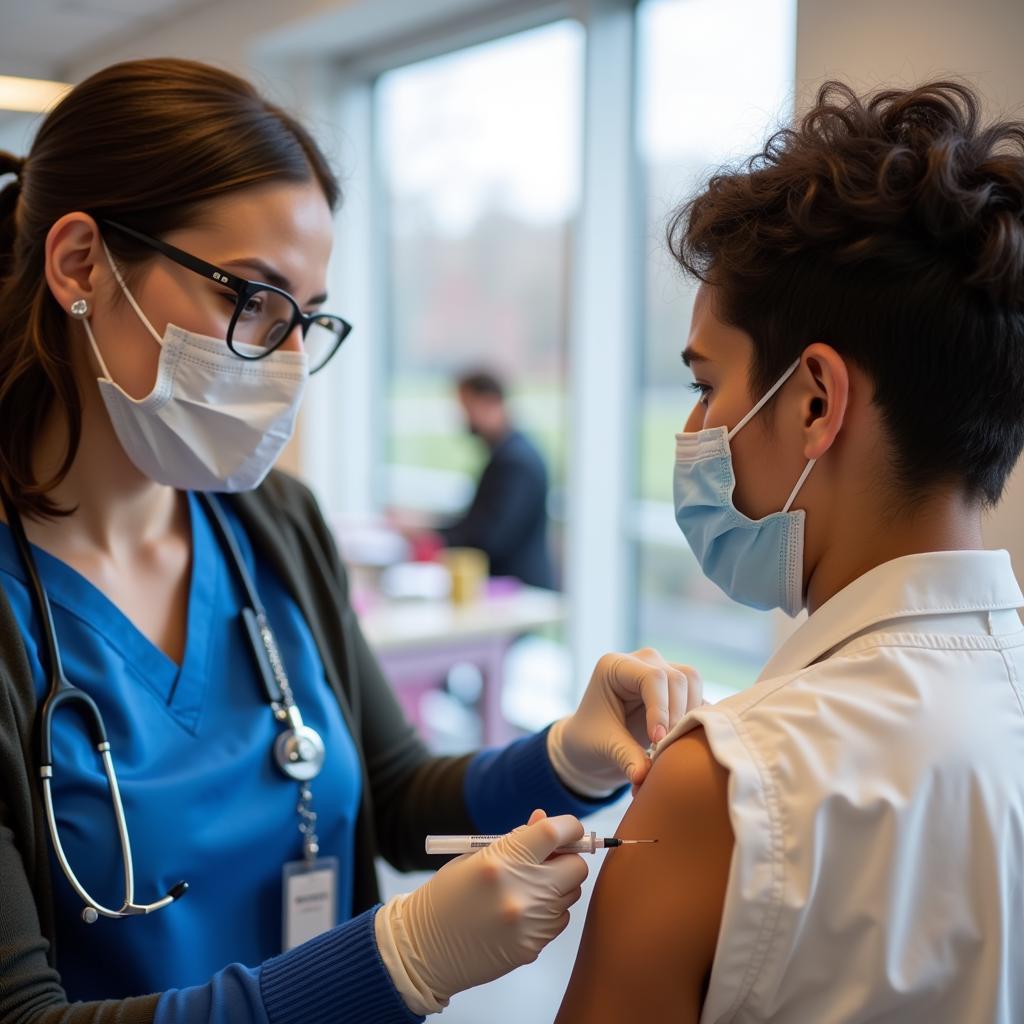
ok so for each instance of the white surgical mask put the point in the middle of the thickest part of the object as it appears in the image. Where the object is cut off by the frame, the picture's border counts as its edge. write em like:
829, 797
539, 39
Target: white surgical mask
213, 421
758, 562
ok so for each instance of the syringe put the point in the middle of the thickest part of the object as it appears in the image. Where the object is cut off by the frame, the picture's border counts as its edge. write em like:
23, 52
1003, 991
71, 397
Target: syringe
467, 844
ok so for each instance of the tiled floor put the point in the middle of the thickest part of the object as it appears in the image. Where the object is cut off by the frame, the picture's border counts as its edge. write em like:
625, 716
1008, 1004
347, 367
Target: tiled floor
531, 994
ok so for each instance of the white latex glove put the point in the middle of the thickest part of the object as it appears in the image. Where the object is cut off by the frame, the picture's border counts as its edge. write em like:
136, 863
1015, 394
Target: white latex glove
483, 914
631, 702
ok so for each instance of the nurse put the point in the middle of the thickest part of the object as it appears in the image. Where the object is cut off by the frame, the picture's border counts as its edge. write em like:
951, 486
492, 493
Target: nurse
162, 257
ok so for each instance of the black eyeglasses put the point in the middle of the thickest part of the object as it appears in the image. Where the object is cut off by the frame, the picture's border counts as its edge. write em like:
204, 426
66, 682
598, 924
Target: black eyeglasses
264, 316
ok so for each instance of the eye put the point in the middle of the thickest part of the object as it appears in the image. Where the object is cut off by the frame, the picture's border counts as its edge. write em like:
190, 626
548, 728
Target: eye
253, 306
702, 390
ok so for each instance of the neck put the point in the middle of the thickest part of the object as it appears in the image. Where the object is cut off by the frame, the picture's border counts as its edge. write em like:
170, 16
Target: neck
946, 522
496, 434
116, 508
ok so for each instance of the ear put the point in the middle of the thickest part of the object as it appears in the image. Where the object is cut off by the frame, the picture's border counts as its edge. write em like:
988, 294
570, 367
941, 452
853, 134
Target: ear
73, 258
827, 383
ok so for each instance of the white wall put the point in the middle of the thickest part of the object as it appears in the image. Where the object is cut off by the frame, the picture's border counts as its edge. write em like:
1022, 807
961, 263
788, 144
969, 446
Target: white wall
16, 131
869, 42
875, 42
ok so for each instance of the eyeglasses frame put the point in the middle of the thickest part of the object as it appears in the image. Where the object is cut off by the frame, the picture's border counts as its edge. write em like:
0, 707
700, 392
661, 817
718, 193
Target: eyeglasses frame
243, 288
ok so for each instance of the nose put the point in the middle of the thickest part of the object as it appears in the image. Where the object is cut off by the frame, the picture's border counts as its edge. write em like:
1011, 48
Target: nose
293, 343
695, 421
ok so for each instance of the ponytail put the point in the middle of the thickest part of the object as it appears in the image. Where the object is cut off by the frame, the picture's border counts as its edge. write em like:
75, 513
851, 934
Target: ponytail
9, 164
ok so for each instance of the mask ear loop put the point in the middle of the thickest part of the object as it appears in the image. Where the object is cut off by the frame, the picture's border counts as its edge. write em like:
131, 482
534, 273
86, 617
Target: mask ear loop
757, 408
131, 298
761, 404
96, 350
799, 484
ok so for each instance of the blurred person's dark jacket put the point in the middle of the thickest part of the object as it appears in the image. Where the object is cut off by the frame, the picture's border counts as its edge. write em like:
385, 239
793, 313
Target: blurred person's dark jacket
508, 515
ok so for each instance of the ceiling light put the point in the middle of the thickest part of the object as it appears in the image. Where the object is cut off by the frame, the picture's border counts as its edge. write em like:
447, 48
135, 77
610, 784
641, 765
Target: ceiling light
32, 95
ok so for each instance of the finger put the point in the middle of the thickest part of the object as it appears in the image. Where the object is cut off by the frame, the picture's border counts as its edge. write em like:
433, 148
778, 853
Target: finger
654, 689
572, 871
678, 698
543, 837
564, 874
640, 774
537, 815
579, 870
560, 925
628, 754
694, 686
623, 675
562, 905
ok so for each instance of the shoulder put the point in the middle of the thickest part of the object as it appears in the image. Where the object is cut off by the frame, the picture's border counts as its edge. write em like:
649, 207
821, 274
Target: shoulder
17, 688
654, 917
282, 508
883, 698
518, 448
284, 521
282, 492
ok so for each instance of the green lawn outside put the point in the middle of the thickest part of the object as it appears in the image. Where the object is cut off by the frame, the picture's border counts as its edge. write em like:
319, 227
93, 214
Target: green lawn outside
426, 431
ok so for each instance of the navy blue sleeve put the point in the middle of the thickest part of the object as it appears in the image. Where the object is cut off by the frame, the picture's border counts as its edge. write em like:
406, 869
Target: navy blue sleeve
503, 785
510, 496
337, 976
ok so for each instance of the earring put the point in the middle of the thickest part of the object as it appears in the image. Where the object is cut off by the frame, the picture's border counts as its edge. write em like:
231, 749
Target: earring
79, 309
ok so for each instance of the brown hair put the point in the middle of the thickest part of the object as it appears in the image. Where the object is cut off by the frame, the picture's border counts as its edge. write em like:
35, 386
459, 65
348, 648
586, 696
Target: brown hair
143, 142
892, 228
481, 382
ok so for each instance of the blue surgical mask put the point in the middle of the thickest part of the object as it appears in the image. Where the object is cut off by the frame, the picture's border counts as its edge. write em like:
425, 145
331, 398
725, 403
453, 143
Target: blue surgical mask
756, 562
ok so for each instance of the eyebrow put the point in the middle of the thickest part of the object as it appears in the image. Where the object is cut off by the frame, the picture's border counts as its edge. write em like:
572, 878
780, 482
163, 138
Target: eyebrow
691, 355
272, 276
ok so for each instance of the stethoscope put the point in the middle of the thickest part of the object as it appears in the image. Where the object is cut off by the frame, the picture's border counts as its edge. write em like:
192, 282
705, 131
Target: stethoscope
298, 750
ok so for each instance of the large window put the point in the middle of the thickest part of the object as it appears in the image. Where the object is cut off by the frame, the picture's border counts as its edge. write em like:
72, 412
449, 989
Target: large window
714, 77
501, 250
479, 160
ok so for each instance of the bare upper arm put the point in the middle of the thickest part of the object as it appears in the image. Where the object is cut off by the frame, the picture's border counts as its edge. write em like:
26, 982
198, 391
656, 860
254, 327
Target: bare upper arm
653, 922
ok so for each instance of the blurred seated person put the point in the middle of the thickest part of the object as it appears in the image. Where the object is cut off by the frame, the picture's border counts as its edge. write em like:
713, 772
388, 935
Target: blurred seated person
507, 518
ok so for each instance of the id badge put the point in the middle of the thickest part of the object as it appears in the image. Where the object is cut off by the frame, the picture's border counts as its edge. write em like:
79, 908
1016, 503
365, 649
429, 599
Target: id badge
310, 899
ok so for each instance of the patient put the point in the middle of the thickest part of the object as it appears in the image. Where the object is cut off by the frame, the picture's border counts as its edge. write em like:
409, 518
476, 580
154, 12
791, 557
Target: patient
844, 841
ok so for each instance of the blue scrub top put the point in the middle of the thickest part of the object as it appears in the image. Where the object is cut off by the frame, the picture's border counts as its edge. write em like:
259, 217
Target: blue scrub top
191, 746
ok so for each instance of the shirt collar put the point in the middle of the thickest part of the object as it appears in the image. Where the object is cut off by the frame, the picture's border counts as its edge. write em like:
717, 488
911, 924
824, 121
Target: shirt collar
924, 584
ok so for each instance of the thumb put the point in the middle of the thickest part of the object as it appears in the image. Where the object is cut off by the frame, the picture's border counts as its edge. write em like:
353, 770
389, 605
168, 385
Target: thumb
630, 757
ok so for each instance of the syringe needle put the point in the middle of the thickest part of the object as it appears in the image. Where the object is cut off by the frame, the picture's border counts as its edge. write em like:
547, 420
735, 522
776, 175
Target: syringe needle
467, 844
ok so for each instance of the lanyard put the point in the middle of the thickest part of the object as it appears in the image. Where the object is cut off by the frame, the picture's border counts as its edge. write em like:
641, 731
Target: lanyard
298, 750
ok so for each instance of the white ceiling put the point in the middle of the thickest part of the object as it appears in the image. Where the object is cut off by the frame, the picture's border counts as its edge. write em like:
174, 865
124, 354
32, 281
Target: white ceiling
38, 38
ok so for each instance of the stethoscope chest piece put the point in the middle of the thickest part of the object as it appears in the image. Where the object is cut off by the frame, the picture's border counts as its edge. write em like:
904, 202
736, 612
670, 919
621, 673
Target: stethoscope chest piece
299, 753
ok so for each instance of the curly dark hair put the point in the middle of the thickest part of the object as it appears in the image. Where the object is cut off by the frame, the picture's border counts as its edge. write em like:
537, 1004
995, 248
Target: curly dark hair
892, 228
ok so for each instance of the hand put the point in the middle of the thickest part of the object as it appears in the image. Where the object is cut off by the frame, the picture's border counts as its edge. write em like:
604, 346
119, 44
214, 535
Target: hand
632, 700
483, 914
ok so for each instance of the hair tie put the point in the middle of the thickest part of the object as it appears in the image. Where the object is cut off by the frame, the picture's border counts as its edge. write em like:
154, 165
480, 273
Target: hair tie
11, 164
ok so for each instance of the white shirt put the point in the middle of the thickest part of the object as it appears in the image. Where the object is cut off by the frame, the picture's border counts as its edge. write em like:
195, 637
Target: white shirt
876, 794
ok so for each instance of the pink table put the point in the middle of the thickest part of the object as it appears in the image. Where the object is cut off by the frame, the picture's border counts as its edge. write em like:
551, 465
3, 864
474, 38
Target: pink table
418, 642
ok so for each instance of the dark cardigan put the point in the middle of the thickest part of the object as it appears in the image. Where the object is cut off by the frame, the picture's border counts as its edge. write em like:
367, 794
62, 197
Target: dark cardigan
406, 791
